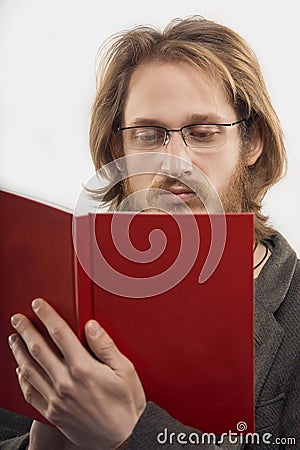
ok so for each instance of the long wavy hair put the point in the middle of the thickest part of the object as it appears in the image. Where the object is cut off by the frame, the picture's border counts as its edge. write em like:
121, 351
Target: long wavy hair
219, 51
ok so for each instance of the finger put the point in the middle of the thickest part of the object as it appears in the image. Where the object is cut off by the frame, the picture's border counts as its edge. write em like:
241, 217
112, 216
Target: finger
30, 394
60, 332
103, 346
31, 371
38, 347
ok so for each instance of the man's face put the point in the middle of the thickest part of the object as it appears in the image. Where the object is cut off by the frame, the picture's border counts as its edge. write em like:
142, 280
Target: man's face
173, 95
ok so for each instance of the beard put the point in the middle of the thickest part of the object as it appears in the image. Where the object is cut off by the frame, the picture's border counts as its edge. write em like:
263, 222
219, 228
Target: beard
232, 196
235, 192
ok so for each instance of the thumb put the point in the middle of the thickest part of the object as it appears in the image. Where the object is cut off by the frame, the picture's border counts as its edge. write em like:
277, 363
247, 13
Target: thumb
102, 345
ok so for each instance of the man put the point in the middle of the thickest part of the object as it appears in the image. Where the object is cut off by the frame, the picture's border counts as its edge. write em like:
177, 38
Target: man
195, 93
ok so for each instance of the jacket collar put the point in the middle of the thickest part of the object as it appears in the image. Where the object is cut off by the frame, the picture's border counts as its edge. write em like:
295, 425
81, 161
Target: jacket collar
274, 280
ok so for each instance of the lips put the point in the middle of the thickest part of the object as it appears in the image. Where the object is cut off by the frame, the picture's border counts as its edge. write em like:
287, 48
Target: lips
178, 190
178, 193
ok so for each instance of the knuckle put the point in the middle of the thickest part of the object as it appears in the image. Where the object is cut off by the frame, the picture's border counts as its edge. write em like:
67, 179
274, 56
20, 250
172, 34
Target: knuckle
34, 349
55, 411
57, 333
21, 326
26, 372
128, 368
79, 372
64, 389
27, 393
107, 345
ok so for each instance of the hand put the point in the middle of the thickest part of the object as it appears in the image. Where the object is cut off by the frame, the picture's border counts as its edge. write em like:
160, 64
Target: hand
44, 437
94, 403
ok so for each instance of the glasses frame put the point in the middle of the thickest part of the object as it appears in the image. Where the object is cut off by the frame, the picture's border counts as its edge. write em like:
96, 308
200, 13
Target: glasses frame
179, 130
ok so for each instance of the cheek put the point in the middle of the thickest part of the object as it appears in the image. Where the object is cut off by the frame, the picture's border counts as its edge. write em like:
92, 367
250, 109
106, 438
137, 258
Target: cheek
142, 169
218, 167
136, 166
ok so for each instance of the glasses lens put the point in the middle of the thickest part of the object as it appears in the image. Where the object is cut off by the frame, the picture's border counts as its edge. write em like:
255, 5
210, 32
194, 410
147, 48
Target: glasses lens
144, 138
204, 136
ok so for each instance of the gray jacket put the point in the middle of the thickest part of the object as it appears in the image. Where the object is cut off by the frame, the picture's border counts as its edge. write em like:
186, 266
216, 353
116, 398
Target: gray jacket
277, 369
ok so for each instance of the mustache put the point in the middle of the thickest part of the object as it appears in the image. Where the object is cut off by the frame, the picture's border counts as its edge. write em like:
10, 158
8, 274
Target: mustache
151, 198
200, 187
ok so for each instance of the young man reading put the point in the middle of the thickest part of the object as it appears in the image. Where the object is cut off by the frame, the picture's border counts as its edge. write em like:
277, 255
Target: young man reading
194, 91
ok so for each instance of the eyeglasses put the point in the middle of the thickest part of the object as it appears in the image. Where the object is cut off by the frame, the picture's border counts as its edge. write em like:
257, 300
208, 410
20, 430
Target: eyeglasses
194, 136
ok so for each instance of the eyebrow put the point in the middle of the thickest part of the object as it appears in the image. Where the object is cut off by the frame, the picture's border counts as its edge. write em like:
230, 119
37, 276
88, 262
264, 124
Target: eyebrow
190, 119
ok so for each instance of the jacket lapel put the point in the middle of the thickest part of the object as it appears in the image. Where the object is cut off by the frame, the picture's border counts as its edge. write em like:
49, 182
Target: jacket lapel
268, 335
271, 287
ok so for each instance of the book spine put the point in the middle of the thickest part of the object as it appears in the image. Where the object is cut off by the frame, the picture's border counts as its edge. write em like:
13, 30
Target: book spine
84, 299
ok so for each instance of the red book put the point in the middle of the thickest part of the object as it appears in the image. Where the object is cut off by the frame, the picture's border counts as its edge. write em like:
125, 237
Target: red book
191, 342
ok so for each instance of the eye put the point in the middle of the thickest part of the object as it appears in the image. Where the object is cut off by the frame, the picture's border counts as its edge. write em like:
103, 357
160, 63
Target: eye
202, 132
146, 137
145, 134
198, 135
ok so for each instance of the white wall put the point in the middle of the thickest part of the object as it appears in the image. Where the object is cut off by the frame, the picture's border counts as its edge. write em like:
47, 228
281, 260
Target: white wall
47, 84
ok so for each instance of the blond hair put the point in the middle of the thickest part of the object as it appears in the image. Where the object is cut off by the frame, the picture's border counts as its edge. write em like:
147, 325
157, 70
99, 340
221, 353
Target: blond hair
216, 49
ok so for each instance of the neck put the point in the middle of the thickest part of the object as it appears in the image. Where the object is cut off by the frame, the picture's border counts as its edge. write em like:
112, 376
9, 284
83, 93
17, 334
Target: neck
259, 255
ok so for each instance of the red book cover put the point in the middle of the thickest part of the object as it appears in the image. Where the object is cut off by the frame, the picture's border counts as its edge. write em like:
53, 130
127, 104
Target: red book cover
138, 275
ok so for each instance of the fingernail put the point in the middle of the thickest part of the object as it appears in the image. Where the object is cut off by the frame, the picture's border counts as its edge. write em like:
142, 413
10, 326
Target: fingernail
15, 320
12, 339
94, 328
36, 303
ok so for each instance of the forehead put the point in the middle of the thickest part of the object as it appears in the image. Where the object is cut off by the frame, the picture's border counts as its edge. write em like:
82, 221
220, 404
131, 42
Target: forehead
170, 93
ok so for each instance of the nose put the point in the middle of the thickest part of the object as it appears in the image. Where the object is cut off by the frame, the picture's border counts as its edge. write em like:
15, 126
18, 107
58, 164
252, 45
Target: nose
177, 160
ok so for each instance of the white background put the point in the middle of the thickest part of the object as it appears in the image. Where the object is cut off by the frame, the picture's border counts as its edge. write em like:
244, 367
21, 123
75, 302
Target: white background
47, 85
